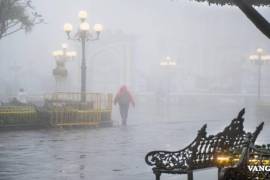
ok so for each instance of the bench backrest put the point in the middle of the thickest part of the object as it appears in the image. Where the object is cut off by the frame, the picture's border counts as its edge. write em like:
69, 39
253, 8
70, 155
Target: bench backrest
204, 149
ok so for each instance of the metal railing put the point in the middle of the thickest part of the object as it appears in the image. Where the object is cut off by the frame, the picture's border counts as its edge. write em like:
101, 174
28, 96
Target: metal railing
97, 100
66, 109
18, 115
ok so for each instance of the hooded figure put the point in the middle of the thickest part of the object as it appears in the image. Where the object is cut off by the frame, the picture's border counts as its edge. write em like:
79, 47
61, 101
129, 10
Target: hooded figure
124, 98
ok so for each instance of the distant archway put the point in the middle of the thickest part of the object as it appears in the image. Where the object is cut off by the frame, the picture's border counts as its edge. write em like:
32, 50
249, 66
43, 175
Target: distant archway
110, 64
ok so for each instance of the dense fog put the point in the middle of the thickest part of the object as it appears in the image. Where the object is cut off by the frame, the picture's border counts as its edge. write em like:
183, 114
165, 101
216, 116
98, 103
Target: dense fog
210, 45
212, 78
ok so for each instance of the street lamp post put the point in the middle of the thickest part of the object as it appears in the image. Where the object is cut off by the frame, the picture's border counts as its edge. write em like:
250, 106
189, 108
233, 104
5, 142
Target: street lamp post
167, 64
61, 56
84, 34
259, 59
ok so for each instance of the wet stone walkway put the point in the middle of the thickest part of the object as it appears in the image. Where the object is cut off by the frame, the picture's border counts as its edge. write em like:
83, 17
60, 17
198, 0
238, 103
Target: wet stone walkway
115, 153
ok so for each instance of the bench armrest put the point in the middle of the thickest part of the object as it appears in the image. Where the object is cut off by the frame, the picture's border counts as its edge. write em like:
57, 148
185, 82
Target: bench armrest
168, 160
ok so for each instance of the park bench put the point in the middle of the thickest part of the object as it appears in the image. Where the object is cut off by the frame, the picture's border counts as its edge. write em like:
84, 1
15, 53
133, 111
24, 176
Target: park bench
206, 151
246, 166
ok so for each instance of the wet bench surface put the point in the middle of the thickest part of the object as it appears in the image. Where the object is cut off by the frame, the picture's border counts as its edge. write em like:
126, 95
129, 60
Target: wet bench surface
202, 153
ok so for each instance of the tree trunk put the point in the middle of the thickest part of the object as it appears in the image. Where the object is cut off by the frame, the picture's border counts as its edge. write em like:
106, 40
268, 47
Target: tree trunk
254, 16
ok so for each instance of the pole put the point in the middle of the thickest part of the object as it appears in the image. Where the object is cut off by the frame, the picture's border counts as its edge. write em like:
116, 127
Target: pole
168, 93
259, 79
83, 70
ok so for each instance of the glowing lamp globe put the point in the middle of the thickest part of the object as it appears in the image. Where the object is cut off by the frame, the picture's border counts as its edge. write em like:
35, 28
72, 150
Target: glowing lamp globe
84, 26
68, 27
82, 15
98, 27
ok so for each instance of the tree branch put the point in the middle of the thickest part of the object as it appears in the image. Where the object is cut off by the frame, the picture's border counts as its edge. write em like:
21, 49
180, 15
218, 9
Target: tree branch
12, 24
9, 33
254, 16
16, 15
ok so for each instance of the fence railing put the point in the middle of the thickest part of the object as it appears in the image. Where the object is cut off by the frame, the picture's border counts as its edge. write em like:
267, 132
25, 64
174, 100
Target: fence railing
18, 116
96, 101
67, 110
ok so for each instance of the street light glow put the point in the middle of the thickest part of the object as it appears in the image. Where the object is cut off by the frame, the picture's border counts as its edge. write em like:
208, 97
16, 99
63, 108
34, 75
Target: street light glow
172, 63
84, 27
168, 58
259, 50
68, 27
71, 54
54, 53
60, 53
57, 54
260, 57
253, 57
98, 27
82, 15
63, 55
168, 61
64, 46
266, 58
163, 63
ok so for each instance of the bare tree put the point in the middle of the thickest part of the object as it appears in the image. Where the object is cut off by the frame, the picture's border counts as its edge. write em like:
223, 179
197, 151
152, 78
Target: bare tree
17, 15
247, 7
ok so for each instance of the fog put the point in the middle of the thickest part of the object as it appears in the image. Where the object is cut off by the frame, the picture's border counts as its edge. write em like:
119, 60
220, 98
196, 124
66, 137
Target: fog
210, 44
212, 80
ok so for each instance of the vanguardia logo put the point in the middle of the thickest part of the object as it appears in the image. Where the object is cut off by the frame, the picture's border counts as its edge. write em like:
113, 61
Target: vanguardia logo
259, 168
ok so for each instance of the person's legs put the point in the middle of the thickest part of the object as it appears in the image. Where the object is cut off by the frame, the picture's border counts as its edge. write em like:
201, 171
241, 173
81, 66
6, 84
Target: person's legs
121, 108
124, 113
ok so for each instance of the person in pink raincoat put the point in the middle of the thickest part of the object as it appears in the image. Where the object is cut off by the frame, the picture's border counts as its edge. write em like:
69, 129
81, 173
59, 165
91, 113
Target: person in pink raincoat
124, 98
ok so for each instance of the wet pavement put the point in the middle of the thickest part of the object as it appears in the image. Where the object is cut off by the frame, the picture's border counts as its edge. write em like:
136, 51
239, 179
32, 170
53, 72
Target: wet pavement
115, 153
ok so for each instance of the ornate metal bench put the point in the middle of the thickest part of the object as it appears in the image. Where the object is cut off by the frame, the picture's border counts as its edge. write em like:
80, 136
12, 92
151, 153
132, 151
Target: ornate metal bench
204, 151
247, 166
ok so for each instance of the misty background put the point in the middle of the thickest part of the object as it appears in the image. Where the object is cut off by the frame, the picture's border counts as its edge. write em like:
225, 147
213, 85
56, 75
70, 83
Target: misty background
212, 80
210, 44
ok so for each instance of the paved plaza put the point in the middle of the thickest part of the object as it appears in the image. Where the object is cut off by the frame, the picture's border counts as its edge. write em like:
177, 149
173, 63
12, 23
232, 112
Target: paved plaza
115, 153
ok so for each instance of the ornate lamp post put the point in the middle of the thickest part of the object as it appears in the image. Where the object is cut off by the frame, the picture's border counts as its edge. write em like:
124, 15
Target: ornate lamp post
84, 34
61, 56
167, 64
259, 59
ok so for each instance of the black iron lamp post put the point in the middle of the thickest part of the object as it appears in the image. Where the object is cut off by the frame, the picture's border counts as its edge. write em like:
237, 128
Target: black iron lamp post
85, 33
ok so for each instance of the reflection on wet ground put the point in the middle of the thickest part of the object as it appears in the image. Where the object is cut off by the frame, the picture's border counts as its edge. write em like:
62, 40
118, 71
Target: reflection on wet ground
115, 153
